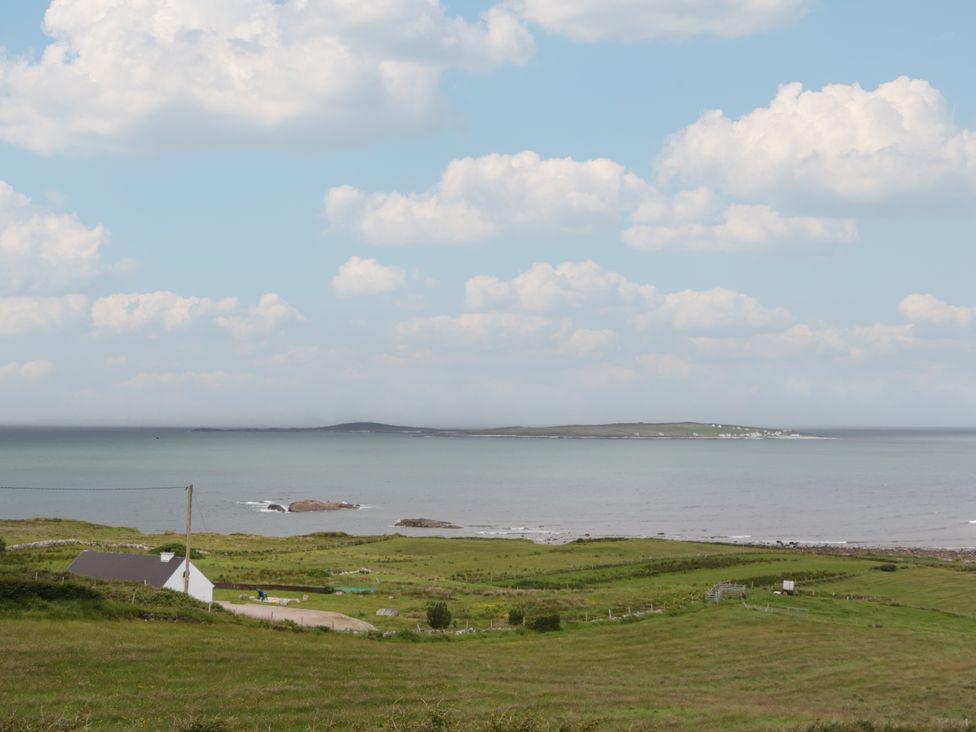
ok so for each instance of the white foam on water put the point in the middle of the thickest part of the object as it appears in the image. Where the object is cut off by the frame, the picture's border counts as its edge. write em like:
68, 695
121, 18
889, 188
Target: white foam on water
740, 536
262, 506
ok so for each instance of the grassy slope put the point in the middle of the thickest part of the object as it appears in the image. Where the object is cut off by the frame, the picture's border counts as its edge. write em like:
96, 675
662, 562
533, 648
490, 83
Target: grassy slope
907, 653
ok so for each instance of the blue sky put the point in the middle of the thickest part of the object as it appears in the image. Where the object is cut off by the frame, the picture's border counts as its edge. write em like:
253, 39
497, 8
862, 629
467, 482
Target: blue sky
246, 212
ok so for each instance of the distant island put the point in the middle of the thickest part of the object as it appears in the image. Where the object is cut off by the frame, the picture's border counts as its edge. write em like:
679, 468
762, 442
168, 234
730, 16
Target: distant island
614, 431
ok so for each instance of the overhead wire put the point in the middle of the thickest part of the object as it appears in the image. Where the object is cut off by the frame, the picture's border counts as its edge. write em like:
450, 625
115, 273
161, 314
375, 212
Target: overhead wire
66, 488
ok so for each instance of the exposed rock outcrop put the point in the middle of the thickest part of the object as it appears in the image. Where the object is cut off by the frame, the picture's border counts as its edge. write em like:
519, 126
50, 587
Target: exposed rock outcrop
276, 507
314, 505
426, 523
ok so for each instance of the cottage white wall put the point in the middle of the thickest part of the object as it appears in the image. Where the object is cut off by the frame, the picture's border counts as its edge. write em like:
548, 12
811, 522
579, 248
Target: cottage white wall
200, 587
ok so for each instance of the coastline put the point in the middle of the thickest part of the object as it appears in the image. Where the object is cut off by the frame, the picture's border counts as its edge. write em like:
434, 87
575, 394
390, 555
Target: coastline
540, 537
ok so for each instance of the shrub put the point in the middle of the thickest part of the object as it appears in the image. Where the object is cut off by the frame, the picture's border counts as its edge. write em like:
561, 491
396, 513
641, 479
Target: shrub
177, 549
3, 545
887, 567
516, 616
438, 615
19, 590
545, 623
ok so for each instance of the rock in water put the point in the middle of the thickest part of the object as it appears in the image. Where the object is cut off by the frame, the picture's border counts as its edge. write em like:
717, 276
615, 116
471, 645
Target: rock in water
276, 507
313, 505
426, 523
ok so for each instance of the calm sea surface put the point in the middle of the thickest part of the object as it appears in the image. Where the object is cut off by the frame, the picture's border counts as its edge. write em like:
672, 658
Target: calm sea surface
895, 487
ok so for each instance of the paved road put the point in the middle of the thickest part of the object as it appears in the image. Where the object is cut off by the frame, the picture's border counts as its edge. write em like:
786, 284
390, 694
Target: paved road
321, 618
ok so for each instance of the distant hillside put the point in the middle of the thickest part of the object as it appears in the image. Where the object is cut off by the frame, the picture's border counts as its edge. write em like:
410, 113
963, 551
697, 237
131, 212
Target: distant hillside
615, 431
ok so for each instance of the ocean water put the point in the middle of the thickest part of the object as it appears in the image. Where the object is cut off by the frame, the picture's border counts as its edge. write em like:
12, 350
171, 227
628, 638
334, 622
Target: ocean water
875, 487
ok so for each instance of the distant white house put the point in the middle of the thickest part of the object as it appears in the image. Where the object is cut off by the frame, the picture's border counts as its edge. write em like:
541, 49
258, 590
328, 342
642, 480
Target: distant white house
164, 571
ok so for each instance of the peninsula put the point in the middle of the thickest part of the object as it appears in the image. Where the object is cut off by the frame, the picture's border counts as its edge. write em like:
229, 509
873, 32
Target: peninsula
613, 431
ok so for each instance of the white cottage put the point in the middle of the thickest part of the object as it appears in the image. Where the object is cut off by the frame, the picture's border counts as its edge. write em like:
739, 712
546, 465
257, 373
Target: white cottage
164, 571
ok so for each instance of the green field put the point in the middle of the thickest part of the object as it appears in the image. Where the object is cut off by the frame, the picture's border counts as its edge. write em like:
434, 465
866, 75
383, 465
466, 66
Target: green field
639, 648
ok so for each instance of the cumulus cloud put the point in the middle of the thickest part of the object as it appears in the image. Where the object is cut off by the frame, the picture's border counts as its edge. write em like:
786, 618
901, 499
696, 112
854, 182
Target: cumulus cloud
737, 227
260, 320
132, 312
143, 74
39, 249
477, 198
26, 314
358, 276
920, 308
637, 20
544, 287
803, 341
843, 141
28, 370
714, 308
486, 330
586, 341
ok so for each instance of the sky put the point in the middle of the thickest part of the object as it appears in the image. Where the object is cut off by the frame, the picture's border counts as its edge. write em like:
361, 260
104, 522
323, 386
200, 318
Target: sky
303, 212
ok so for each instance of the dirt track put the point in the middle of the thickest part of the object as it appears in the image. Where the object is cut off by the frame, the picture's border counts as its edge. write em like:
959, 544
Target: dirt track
312, 618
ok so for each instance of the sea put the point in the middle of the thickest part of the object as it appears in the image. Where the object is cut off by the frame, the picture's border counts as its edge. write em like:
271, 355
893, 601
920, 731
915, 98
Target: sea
897, 487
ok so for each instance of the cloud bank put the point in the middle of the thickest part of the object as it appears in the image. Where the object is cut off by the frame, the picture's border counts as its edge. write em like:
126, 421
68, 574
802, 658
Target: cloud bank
144, 75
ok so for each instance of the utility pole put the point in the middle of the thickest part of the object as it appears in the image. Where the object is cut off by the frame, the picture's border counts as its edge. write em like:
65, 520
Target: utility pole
189, 519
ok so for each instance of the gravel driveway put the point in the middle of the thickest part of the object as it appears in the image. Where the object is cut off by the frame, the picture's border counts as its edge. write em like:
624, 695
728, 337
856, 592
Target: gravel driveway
319, 618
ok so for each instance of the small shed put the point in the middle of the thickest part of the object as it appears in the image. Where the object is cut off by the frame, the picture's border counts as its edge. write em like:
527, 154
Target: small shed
164, 571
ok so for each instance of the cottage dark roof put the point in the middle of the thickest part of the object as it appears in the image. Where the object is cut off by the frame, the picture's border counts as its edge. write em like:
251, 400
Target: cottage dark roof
146, 568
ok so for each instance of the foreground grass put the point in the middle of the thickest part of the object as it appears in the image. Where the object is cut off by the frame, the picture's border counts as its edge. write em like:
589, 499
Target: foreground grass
725, 668
857, 647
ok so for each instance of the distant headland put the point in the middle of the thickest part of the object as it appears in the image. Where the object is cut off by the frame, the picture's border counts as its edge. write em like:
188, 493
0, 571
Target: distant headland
614, 431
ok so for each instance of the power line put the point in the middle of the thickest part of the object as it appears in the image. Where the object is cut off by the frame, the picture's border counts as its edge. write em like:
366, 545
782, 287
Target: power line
64, 488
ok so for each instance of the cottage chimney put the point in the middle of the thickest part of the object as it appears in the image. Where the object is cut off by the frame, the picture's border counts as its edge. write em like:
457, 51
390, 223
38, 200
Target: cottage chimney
166, 556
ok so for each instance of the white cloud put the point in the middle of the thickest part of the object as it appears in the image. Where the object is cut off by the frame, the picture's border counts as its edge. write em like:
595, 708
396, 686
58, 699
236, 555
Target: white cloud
586, 341
738, 227
485, 330
359, 276
132, 312
926, 308
841, 141
260, 320
477, 198
40, 249
715, 308
206, 379
636, 20
29, 370
480, 198
803, 341
181, 73
25, 314
544, 287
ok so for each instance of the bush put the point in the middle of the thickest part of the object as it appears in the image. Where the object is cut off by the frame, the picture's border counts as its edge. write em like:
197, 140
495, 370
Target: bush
545, 623
177, 549
3, 545
438, 616
516, 616
19, 590
888, 567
